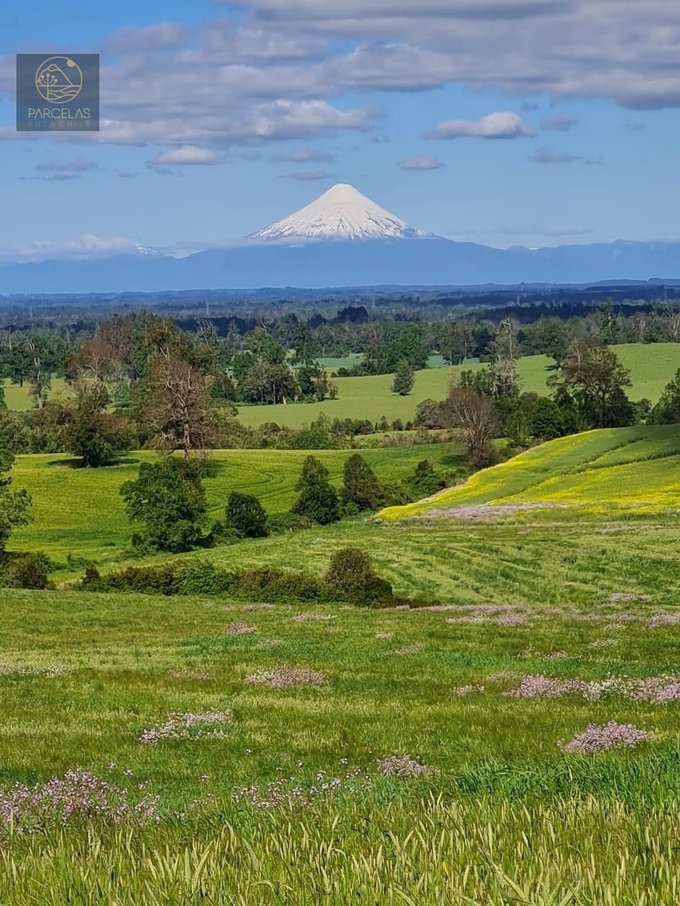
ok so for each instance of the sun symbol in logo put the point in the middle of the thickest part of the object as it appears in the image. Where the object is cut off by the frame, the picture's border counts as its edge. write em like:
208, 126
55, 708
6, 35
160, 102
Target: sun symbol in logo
59, 80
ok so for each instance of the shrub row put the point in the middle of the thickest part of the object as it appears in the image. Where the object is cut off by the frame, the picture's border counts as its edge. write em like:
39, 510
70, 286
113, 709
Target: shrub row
24, 570
350, 578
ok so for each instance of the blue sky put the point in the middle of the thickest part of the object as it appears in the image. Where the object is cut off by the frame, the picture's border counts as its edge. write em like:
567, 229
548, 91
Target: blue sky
504, 122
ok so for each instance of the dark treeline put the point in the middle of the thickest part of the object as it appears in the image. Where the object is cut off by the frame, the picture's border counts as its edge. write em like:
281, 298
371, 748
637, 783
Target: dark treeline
525, 303
140, 381
381, 340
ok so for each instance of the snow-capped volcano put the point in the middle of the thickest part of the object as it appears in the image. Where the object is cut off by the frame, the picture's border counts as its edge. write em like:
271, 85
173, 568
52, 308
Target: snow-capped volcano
340, 213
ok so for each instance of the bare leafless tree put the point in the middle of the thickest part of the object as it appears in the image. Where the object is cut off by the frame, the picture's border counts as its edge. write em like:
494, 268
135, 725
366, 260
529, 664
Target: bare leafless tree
474, 415
177, 408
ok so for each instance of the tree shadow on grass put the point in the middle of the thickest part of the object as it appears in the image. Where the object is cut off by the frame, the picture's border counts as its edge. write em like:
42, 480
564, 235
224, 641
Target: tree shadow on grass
79, 464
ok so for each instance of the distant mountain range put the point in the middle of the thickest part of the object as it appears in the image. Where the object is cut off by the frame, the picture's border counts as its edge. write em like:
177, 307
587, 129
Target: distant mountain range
343, 239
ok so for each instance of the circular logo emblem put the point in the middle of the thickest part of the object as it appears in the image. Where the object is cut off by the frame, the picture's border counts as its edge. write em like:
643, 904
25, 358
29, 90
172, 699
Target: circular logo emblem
59, 80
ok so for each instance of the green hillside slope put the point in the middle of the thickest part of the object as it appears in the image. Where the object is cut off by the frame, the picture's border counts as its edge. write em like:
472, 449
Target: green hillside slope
80, 511
617, 467
651, 367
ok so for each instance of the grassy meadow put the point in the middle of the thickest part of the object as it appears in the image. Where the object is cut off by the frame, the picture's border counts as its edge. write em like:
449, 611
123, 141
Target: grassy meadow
19, 399
651, 367
200, 750
581, 547
80, 511
292, 802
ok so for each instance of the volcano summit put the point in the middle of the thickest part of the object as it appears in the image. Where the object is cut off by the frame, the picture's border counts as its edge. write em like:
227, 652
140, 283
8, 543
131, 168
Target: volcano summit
341, 213
342, 239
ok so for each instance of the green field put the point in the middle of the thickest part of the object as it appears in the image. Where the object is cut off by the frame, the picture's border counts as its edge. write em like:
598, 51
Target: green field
80, 511
19, 398
619, 467
582, 550
249, 818
651, 366
547, 619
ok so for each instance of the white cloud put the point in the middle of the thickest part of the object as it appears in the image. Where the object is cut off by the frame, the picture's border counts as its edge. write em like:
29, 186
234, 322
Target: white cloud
292, 69
618, 49
262, 43
309, 175
308, 156
421, 163
546, 156
162, 36
493, 125
352, 10
288, 119
562, 123
86, 245
77, 165
186, 155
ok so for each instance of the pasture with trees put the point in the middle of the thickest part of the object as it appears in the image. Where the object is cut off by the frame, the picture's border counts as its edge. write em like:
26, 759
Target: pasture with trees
450, 624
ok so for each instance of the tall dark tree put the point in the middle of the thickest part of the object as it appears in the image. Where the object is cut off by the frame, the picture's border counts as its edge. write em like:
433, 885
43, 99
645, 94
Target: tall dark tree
360, 484
89, 431
404, 378
667, 410
246, 516
317, 498
167, 501
608, 323
546, 420
305, 345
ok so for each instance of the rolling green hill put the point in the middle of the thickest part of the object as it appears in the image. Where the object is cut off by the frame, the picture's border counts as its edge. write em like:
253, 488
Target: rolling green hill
511, 554
651, 366
80, 511
245, 752
582, 545
623, 467
608, 526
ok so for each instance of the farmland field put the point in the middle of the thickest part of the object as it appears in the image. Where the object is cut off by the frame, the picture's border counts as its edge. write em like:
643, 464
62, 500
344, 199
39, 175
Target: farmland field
293, 793
515, 741
585, 547
619, 467
651, 366
80, 511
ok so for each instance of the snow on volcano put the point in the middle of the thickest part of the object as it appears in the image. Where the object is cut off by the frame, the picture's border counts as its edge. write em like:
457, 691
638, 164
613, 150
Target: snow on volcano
340, 213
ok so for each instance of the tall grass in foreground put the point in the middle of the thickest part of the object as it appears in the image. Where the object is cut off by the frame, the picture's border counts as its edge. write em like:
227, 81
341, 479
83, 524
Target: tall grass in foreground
470, 852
